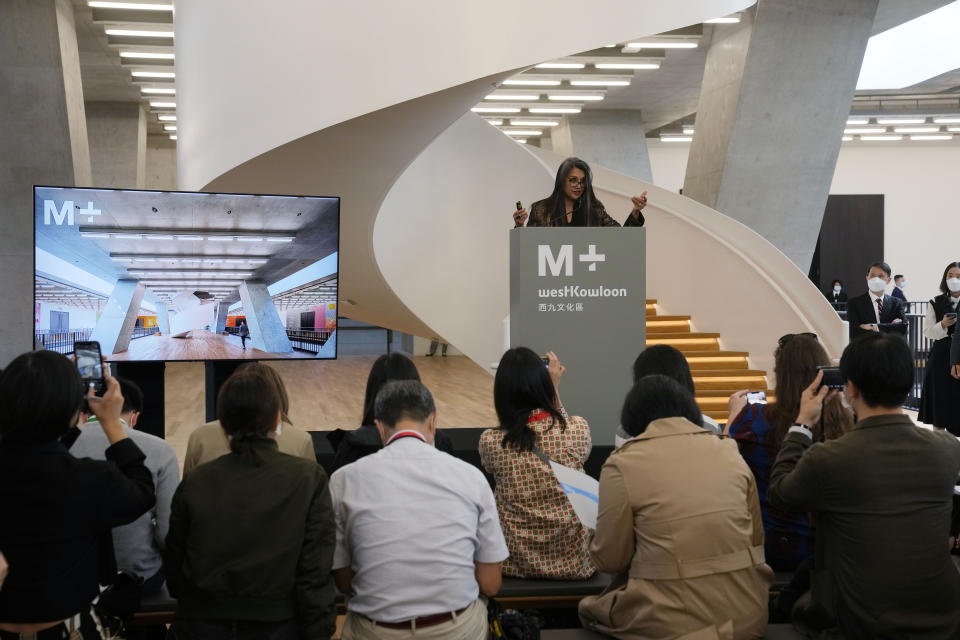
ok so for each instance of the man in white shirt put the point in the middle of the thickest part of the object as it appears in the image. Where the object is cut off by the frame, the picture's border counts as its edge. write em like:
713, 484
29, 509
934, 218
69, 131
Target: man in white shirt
418, 535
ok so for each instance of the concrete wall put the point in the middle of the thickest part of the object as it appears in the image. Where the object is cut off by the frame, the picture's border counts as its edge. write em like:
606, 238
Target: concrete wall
161, 164
117, 133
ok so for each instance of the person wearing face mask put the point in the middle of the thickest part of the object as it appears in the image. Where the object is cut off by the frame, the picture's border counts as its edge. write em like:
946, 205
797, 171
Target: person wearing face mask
940, 400
900, 283
875, 311
573, 203
837, 296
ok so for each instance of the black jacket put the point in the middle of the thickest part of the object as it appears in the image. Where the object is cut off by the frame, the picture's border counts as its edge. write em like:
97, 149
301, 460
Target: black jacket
254, 541
860, 310
350, 446
55, 513
955, 349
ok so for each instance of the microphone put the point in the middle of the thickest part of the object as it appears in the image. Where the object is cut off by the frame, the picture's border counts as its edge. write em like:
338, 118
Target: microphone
564, 215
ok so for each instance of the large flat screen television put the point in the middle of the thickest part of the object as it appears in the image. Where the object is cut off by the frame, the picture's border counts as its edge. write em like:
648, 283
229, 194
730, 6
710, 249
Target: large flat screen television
175, 275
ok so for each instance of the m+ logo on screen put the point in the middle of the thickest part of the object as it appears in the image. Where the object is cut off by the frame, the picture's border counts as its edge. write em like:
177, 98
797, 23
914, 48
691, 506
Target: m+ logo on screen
563, 260
65, 213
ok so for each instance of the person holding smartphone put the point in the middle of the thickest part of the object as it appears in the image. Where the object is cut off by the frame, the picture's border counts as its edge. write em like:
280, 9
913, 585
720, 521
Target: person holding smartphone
940, 400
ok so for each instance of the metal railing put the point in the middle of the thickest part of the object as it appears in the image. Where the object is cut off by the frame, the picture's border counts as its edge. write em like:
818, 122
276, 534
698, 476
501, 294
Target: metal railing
308, 340
59, 341
140, 332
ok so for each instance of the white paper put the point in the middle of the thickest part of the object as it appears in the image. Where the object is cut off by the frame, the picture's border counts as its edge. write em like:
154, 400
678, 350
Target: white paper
582, 491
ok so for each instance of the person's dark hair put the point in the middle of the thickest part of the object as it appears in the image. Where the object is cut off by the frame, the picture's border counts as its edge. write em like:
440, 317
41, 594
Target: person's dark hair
837, 281
881, 265
394, 366
40, 393
247, 408
943, 281
403, 400
664, 360
270, 374
523, 385
132, 396
881, 366
654, 397
898, 276
587, 203
795, 366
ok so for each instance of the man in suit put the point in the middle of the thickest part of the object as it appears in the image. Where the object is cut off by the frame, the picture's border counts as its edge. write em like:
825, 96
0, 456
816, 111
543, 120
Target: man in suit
899, 283
882, 496
875, 311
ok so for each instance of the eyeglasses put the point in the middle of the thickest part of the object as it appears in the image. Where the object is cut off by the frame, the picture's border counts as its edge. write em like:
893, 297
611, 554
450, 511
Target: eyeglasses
790, 336
573, 182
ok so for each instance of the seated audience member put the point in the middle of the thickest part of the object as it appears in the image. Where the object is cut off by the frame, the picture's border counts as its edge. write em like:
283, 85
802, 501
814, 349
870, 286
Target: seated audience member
882, 496
418, 538
679, 525
138, 546
759, 429
352, 445
875, 311
667, 361
209, 442
251, 533
544, 535
57, 510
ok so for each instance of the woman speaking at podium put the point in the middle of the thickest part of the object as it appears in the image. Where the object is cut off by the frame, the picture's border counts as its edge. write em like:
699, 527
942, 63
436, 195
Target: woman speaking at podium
573, 203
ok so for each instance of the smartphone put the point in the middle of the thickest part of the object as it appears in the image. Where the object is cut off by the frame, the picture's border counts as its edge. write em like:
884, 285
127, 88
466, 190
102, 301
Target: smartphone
90, 366
546, 361
519, 206
757, 397
952, 314
831, 377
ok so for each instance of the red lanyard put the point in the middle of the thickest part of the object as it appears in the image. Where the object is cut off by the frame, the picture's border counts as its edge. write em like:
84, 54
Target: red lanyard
405, 434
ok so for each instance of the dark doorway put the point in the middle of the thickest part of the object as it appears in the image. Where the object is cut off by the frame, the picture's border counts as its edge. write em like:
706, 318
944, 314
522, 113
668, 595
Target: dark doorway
851, 237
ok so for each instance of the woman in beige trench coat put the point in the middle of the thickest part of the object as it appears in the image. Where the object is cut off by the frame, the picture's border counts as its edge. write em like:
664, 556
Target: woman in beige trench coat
679, 524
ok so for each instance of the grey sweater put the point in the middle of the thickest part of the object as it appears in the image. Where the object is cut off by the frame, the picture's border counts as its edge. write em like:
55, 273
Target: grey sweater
138, 545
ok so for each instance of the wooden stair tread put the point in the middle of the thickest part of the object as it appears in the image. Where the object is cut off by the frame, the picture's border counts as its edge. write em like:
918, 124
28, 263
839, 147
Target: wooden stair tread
716, 354
687, 336
719, 373
669, 318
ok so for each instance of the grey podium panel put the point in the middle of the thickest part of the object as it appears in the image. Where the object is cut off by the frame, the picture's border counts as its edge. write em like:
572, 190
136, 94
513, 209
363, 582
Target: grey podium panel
581, 292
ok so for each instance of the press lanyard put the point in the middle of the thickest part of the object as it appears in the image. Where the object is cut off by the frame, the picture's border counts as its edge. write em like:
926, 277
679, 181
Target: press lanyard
406, 434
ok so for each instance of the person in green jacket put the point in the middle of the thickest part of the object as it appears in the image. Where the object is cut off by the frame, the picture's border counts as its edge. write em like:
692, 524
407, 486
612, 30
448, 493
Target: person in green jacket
252, 534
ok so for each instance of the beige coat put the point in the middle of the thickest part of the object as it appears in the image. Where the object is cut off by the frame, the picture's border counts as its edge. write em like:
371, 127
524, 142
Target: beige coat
209, 442
679, 523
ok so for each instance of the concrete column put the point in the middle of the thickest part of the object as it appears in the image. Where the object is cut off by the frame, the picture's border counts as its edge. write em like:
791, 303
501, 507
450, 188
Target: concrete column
115, 326
117, 132
44, 140
266, 330
223, 310
611, 138
774, 101
163, 318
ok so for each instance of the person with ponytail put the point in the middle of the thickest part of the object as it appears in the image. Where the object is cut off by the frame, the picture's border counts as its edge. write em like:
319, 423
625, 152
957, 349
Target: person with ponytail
251, 540
574, 204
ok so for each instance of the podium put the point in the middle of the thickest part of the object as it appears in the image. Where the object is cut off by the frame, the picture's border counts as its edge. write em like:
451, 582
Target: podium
581, 293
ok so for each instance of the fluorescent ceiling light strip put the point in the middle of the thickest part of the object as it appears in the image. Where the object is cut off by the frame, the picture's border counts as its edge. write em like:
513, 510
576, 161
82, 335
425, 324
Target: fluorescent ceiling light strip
151, 236
600, 83
676, 139
953, 128
688, 131
649, 44
866, 130
147, 55
945, 136
947, 120
567, 96
495, 109
138, 6
153, 74
167, 118
140, 34
533, 123
494, 121
880, 138
173, 136
278, 239
858, 120
169, 127
901, 120
561, 65
220, 238
916, 129
87, 234
157, 90
521, 140
554, 109
190, 238
157, 104
726, 20
525, 81
522, 132
512, 96
847, 138
627, 65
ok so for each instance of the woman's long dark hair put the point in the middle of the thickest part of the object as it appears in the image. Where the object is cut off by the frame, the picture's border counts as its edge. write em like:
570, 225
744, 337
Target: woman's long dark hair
247, 406
523, 385
588, 203
395, 366
795, 365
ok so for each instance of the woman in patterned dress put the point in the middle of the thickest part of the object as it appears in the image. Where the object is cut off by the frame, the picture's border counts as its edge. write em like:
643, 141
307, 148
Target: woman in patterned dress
545, 538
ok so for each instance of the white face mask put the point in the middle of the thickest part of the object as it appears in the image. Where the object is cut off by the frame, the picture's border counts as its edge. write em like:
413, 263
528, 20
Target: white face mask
902, 285
953, 284
837, 289
876, 284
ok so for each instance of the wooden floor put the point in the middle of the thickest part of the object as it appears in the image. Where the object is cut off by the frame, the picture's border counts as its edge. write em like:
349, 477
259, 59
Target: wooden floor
328, 394
201, 345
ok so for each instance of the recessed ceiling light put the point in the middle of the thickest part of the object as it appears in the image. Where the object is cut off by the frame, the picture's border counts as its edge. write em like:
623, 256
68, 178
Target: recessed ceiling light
916, 129
153, 74
561, 65
169, 127
494, 121
495, 109
163, 105
627, 65
190, 238
522, 132
600, 83
153, 236
158, 90
858, 120
139, 6
688, 131
947, 120
953, 128
139, 33
726, 20
167, 118
220, 238
533, 123
593, 97
934, 137
249, 239
520, 140
279, 239
146, 55
847, 138
676, 139
649, 44
880, 138
532, 82
554, 109
173, 136
512, 96
865, 130
126, 236
901, 120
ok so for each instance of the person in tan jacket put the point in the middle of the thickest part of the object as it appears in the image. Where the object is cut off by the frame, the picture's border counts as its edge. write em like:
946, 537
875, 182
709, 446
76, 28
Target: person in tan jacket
679, 525
209, 442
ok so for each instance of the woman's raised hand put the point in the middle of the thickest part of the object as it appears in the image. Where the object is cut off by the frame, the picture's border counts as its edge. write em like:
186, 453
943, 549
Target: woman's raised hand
519, 217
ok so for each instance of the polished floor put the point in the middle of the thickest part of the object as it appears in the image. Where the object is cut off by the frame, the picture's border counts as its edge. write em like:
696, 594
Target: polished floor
201, 345
328, 394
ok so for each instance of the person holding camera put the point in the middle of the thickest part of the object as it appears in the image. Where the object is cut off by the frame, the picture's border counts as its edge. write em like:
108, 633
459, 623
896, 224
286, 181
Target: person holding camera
940, 400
